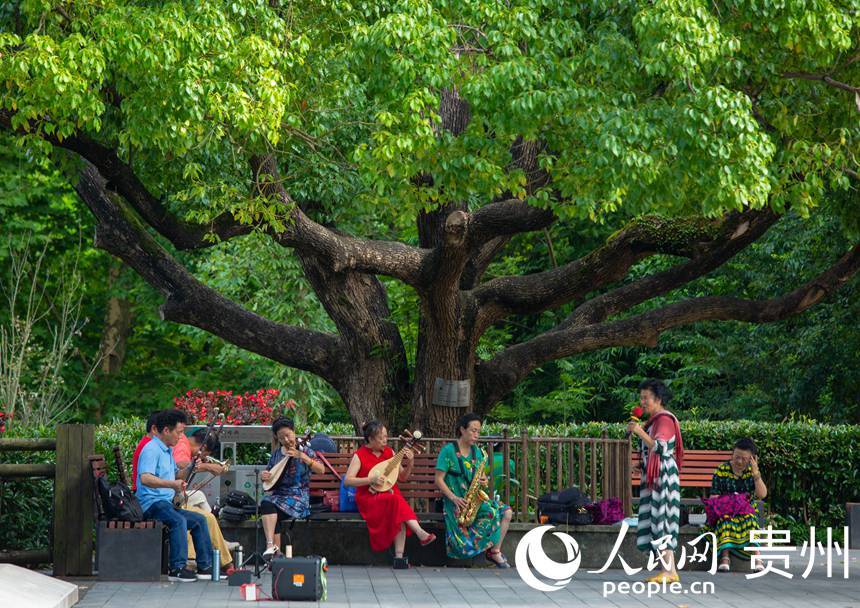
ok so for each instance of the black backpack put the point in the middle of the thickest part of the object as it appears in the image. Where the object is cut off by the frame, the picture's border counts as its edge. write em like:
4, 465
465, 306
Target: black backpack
565, 507
241, 500
232, 514
119, 502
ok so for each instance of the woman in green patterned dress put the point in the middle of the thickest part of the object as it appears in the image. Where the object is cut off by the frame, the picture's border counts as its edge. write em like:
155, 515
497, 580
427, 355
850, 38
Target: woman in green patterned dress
740, 475
456, 466
660, 489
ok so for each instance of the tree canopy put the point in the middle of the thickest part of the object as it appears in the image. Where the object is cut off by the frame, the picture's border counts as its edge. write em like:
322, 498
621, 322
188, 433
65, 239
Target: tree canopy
388, 154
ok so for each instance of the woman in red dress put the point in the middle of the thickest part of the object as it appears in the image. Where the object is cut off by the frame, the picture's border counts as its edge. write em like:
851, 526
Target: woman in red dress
388, 516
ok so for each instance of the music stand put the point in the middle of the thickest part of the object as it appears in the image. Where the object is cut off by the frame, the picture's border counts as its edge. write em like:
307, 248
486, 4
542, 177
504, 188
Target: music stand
256, 555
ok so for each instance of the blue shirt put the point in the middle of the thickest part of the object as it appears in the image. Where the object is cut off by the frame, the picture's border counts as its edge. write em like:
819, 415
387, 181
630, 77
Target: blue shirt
155, 459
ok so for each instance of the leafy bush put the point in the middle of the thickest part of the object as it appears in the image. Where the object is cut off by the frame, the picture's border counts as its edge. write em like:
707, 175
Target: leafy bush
811, 469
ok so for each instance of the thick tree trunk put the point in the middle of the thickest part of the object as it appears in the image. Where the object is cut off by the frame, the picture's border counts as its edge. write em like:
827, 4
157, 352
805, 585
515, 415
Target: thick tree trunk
375, 379
446, 329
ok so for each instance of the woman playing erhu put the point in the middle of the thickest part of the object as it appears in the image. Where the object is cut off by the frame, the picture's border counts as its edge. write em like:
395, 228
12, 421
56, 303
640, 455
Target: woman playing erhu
456, 467
389, 517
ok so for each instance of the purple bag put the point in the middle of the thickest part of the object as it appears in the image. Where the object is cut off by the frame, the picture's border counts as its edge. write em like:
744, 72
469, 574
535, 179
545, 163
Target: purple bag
726, 506
606, 512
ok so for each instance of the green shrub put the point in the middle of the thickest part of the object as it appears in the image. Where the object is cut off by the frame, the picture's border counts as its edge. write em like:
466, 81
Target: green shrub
811, 469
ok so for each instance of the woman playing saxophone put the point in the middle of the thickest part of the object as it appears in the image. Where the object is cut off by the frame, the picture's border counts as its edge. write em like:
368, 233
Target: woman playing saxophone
474, 523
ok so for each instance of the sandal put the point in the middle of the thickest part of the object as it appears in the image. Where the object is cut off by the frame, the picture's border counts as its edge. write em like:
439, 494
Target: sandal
664, 577
401, 563
488, 555
430, 538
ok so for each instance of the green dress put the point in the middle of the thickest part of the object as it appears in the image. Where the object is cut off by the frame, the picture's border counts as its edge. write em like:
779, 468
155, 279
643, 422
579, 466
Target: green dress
464, 543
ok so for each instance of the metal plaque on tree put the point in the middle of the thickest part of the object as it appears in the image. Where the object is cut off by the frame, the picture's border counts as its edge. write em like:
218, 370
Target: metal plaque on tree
451, 393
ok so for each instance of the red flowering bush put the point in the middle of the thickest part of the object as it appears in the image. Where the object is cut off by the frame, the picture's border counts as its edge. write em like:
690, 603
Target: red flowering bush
261, 407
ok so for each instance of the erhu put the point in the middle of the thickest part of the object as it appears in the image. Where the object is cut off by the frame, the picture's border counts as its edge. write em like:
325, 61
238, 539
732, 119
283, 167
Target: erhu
182, 499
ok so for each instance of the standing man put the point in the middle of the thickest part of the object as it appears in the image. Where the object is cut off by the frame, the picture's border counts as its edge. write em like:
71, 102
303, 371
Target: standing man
157, 485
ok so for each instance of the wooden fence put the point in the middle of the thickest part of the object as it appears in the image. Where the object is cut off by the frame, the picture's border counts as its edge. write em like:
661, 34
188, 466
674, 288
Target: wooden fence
72, 530
532, 466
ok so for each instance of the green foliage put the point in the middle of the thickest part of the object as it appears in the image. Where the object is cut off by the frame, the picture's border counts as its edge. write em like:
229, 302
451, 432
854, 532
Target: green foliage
678, 106
673, 107
805, 365
811, 470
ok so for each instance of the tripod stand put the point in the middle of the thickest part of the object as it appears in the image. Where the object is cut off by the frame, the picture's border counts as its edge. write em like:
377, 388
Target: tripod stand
256, 555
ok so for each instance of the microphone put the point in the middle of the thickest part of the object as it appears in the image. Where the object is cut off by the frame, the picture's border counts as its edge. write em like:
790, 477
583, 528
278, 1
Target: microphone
635, 416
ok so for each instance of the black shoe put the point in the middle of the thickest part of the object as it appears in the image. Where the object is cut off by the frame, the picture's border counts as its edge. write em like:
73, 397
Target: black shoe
401, 563
204, 574
183, 575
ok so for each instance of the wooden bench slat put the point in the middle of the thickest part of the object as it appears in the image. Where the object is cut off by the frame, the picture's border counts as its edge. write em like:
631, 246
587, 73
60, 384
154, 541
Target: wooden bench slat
696, 472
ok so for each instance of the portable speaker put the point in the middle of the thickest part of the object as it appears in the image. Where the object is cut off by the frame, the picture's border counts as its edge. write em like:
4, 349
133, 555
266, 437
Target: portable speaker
299, 578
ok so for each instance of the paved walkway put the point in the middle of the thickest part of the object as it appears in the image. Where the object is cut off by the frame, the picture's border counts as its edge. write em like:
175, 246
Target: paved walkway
364, 587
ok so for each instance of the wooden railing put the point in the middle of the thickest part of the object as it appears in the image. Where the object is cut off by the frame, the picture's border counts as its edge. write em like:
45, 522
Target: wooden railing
72, 540
532, 466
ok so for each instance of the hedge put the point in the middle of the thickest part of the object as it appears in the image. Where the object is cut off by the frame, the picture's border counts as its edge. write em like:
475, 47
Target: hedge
811, 469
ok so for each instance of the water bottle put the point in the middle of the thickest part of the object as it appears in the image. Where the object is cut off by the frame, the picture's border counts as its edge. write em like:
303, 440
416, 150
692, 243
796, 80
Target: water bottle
239, 556
216, 565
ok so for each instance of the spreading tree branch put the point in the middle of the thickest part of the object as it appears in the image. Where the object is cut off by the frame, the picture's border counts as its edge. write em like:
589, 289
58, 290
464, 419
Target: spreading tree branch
497, 377
120, 232
646, 236
740, 230
822, 78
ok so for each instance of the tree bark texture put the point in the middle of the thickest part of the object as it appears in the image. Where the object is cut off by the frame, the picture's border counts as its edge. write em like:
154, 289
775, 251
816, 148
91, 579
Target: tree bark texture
364, 360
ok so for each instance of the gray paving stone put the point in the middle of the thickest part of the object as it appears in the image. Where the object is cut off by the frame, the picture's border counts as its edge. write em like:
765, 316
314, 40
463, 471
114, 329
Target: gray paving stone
362, 587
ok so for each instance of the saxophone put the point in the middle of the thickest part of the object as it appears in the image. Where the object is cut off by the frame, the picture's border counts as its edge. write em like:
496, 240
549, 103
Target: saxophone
475, 495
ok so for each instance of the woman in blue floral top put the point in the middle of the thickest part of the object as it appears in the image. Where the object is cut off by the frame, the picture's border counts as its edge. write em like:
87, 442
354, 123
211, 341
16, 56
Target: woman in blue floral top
456, 466
290, 496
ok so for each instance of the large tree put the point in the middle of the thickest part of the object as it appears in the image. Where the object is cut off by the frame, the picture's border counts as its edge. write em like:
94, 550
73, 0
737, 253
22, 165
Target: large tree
412, 141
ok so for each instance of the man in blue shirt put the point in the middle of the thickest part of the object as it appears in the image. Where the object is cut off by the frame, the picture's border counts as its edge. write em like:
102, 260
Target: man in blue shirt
157, 485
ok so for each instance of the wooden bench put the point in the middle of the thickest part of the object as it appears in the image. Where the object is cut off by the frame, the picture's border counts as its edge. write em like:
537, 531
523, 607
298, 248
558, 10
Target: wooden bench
419, 490
126, 551
696, 472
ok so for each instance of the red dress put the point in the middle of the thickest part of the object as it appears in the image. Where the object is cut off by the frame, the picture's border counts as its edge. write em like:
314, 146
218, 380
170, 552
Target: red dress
385, 512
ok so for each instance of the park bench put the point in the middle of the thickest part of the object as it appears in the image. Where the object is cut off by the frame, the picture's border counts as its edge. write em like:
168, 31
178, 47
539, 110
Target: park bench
419, 490
696, 471
128, 551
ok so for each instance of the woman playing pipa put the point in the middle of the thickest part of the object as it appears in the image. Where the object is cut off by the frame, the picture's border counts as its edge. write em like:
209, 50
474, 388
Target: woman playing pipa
287, 477
374, 472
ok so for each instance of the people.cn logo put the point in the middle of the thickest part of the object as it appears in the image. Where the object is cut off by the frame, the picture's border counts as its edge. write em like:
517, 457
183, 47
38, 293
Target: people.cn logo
530, 549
